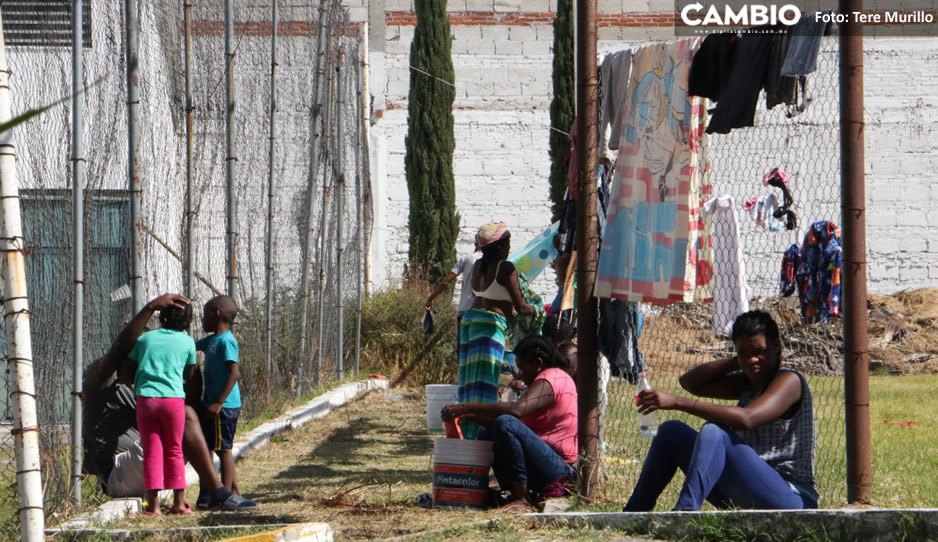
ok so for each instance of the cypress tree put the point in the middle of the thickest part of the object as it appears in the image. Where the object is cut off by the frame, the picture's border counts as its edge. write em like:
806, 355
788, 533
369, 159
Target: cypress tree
428, 162
563, 104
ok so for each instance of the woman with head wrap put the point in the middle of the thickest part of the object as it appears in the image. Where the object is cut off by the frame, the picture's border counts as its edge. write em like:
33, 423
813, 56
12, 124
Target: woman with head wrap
482, 330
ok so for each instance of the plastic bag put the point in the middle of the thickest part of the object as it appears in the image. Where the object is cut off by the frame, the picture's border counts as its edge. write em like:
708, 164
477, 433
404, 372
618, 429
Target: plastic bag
428, 322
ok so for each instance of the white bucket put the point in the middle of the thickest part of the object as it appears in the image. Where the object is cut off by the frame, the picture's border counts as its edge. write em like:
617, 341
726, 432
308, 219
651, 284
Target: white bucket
438, 396
461, 472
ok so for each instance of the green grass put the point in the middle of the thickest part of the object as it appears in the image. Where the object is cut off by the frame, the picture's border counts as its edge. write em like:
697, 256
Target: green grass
905, 466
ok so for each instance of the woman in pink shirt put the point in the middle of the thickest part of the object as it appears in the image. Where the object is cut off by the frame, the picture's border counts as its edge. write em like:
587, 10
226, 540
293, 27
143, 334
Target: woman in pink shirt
534, 439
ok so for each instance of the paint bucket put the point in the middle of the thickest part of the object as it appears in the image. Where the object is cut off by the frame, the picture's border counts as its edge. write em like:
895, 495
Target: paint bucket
461, 473
438, 396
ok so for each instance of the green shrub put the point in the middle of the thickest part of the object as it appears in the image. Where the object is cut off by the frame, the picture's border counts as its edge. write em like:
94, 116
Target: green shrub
393, 341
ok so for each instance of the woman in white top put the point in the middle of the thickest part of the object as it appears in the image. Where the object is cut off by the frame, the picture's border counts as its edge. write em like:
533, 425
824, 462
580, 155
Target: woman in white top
482, 330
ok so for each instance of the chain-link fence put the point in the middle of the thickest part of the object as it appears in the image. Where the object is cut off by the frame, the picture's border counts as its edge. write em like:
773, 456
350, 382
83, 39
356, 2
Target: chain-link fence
806, 144
304, 204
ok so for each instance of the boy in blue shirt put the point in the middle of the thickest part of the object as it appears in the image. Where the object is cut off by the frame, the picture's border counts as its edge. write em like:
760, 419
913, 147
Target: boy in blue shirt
221, 397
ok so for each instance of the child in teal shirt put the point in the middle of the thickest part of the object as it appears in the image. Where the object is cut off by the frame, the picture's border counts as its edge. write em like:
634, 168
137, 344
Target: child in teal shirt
164, 357
222, 396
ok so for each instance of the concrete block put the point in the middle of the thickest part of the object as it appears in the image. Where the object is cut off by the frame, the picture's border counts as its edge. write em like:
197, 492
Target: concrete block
915, 275
399, 5
879, 219
466, 33
609, 6
537, 6
513, 48
609, 33
545, 32
456, 5
510, 6
913, 217
495, 33
480, 5
358, 14
522, 33
480, 47
536, 48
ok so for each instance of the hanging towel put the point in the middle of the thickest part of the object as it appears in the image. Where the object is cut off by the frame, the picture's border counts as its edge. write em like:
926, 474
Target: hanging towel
653, 248
729, 290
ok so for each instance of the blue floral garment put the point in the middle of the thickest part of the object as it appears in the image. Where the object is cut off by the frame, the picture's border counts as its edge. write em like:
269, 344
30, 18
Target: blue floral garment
818, 274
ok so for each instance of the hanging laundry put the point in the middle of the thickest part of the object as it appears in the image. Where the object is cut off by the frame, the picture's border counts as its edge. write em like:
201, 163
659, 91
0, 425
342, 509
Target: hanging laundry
710, 69
762, 211
614, 72
779, 89
620, 326
790, 260
537, 254
801, 58
652, 249
749, 74
729, 276
779, 179
818, 272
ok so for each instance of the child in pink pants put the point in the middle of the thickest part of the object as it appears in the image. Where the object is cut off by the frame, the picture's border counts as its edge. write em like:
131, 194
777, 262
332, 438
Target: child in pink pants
165, 358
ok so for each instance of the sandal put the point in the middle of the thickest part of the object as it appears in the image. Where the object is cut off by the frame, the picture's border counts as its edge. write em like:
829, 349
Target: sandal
518, 507
186, 509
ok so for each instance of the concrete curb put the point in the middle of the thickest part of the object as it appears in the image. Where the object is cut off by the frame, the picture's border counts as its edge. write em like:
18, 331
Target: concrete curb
317, 408
296, 417
301, 532
867, 524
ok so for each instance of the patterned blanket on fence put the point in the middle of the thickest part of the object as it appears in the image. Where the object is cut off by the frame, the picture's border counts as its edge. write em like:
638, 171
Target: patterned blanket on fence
655, 248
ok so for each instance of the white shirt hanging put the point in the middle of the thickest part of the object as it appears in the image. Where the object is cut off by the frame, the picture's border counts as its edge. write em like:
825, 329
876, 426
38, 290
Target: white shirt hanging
729, 290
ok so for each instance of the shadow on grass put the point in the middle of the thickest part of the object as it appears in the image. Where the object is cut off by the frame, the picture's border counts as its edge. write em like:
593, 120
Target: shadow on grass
347, 457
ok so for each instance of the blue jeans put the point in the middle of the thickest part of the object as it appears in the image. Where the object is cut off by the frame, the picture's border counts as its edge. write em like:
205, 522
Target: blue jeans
717, 467
521, 457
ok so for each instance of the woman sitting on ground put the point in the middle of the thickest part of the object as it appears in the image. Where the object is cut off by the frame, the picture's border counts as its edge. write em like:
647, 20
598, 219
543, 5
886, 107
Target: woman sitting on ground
534, 439
758, 454
483, 327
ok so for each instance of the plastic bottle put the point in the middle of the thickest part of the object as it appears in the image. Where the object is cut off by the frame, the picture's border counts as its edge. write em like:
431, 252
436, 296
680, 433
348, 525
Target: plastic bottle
647, 424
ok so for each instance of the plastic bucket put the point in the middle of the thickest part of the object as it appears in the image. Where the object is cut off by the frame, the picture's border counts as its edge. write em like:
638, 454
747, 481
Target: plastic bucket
461, 473
438, 396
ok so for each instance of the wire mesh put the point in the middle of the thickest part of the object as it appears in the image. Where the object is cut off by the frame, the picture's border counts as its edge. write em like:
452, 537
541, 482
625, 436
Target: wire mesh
42, 75
677, 337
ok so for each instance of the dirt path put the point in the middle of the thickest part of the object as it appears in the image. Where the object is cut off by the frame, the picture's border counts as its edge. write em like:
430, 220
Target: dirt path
358, 469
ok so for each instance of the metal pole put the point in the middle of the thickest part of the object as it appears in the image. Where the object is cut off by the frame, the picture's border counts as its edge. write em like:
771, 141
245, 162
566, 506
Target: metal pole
340, 214
230, 159
16, 325
327, 127
133, 160
366, 164
78, 243
189, 260
587, 242
314, 147
853, 215
270, 189
359, 239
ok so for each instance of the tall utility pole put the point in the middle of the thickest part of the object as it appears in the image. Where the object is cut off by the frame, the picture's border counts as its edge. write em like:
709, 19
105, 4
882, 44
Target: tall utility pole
587, 243
25, 429
853, 216
133, 158
231, 235
78, 243
188, 272
269, 312
340, 212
